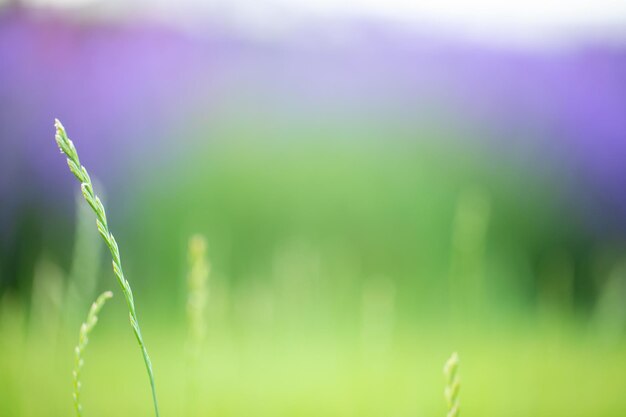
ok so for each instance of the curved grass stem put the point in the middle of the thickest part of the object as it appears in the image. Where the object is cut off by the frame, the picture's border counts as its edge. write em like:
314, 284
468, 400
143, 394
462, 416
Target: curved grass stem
67, 147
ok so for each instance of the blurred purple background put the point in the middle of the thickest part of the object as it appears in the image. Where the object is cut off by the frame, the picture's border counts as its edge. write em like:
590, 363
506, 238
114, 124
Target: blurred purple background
556, 111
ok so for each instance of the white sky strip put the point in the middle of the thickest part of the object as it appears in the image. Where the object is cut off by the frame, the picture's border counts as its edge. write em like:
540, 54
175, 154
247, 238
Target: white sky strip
528, 20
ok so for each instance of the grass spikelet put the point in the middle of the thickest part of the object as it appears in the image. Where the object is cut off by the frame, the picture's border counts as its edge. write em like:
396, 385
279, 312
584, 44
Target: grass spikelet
83, 340
67, 147
453, 384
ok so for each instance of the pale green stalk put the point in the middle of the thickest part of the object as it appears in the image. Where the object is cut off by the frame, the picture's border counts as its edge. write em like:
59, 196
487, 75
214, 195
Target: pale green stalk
453, 384
67, 147
197, 293
196, 311
86, 257
83, 340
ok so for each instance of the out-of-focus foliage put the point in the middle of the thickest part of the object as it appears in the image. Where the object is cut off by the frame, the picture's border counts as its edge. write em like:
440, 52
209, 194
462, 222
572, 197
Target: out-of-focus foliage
369, 206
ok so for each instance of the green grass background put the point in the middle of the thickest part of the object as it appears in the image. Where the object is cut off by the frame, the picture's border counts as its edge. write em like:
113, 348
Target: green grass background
346, 265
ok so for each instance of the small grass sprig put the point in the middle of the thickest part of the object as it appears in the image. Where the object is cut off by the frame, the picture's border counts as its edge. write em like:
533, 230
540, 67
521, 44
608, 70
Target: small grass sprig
453, 385
83, 340
67, 147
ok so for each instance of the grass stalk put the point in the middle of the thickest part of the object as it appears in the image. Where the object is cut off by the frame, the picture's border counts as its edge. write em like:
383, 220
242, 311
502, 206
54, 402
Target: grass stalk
83, 340
67, 147
197, 294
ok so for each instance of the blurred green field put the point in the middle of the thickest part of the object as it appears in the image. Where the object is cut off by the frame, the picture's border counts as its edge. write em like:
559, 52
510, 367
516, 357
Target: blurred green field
343, 274
545, 372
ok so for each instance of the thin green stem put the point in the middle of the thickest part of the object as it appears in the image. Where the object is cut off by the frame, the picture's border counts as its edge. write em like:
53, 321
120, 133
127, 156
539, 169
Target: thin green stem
67, 147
